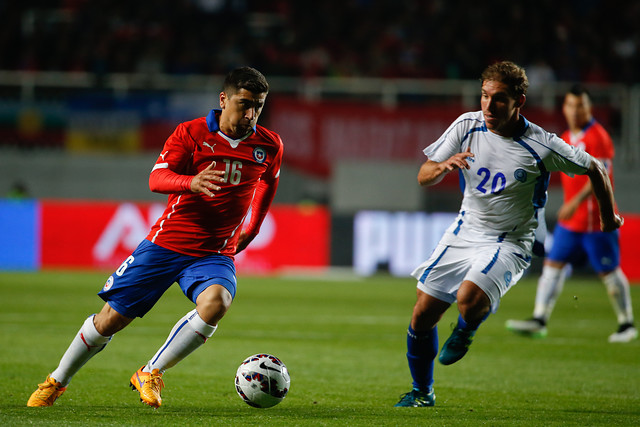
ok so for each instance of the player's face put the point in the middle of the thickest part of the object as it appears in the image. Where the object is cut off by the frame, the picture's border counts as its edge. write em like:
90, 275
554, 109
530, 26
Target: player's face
501, 111
240, 112
577, 111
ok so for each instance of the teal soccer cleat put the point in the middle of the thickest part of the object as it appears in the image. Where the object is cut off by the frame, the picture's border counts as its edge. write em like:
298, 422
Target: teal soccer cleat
456, 346
416, 398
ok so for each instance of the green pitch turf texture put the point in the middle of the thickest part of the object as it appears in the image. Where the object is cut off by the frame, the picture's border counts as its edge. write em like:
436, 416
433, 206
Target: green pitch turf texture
344, 344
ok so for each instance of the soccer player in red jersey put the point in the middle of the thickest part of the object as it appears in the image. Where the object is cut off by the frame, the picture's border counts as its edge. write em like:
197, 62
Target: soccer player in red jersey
215, 169
577, 235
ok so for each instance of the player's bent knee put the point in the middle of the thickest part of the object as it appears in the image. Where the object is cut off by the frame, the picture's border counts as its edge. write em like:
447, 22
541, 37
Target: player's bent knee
213, 303
472, 300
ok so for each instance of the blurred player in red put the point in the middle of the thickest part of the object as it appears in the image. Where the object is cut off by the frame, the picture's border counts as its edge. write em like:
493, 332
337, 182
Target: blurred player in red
577, 235
214, 169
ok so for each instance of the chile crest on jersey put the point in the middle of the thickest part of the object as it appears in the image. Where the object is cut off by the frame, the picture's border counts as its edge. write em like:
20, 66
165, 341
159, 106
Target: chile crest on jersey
259, 154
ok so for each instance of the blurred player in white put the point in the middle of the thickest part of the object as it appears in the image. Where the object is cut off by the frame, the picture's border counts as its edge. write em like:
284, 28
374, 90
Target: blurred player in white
505, 161
578, 234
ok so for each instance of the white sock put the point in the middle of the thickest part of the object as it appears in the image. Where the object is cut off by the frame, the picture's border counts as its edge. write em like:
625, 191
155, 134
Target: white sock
86, 344
618, 290
550, 286
187, 335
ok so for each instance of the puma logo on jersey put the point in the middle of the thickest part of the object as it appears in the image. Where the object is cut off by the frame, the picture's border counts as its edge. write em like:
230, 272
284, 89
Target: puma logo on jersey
210, 146
164, 154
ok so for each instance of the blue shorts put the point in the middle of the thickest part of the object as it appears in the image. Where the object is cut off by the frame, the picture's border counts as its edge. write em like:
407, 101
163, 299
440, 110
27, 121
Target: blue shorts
150, 270
600, 248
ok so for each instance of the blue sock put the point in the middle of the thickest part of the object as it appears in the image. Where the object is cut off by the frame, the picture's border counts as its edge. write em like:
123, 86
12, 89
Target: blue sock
471, 327
422, 348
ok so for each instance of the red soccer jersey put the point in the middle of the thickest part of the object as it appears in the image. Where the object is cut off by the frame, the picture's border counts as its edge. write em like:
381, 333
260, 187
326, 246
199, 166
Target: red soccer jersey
194, 223
595, 140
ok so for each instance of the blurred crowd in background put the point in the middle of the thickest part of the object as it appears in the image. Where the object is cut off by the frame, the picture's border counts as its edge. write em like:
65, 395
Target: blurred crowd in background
594, 41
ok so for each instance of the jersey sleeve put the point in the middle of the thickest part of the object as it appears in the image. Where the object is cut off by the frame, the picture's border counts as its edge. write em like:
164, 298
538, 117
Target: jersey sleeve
273, 173
452, 139
172, 172
566, 158
265, 192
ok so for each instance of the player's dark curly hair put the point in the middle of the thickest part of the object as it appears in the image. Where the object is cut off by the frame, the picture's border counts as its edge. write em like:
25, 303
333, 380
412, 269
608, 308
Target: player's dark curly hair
510, 74
245, 78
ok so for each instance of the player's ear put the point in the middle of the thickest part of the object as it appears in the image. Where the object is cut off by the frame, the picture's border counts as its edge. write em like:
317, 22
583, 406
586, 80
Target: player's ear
223, 99
520, 101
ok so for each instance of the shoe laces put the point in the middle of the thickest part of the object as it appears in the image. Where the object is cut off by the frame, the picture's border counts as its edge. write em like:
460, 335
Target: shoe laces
155, 381
49, 388
51, 383
45, 385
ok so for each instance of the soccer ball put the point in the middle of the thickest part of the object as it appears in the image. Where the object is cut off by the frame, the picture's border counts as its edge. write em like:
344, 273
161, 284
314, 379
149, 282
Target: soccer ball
262, 380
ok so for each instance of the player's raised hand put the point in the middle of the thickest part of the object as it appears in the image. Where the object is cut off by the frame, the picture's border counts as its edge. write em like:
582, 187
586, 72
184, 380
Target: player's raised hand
204, 182
431, 172
458, 160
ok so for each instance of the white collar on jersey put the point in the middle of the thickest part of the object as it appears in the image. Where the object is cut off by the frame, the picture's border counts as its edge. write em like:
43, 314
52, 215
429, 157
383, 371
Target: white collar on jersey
234, 142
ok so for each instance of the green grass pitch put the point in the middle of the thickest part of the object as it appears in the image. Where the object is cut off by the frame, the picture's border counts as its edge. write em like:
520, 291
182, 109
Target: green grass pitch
344, 344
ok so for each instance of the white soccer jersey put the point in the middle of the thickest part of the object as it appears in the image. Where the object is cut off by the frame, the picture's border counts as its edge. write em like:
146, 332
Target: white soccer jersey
507, 180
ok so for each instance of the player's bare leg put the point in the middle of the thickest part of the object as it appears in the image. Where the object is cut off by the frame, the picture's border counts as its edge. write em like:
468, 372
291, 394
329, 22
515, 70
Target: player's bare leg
212, 304
473, 303
109, 321
427, 311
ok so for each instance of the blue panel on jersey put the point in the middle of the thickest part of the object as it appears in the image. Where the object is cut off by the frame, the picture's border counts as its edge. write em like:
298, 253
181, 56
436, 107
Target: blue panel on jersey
19, 235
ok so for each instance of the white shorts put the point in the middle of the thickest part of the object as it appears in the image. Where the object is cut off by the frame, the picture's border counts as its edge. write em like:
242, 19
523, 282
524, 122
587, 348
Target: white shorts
493, 267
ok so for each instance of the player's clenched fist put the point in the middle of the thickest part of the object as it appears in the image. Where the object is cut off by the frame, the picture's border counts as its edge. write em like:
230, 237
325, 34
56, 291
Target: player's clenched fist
204, 181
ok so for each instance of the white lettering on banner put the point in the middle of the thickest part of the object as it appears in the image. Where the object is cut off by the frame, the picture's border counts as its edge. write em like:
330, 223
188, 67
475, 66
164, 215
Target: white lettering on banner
127, 227
400, 240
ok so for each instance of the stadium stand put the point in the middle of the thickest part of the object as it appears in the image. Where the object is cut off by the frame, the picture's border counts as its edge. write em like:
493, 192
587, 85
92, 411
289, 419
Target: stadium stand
592, 41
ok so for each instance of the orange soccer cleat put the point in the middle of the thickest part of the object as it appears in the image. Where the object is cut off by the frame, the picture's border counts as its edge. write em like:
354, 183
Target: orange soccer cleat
149, 385
47, 393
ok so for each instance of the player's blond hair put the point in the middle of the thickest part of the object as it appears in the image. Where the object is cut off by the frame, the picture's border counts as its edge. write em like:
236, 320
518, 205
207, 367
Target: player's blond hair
510, 74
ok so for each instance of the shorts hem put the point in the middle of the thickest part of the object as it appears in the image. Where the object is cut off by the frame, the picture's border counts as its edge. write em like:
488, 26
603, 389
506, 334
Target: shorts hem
442, 296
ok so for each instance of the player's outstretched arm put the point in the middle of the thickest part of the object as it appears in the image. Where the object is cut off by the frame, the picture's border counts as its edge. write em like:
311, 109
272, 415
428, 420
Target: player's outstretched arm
431, 172
603, 190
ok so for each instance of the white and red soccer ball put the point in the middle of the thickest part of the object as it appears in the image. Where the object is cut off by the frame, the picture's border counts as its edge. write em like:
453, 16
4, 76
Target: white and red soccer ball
262, 380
